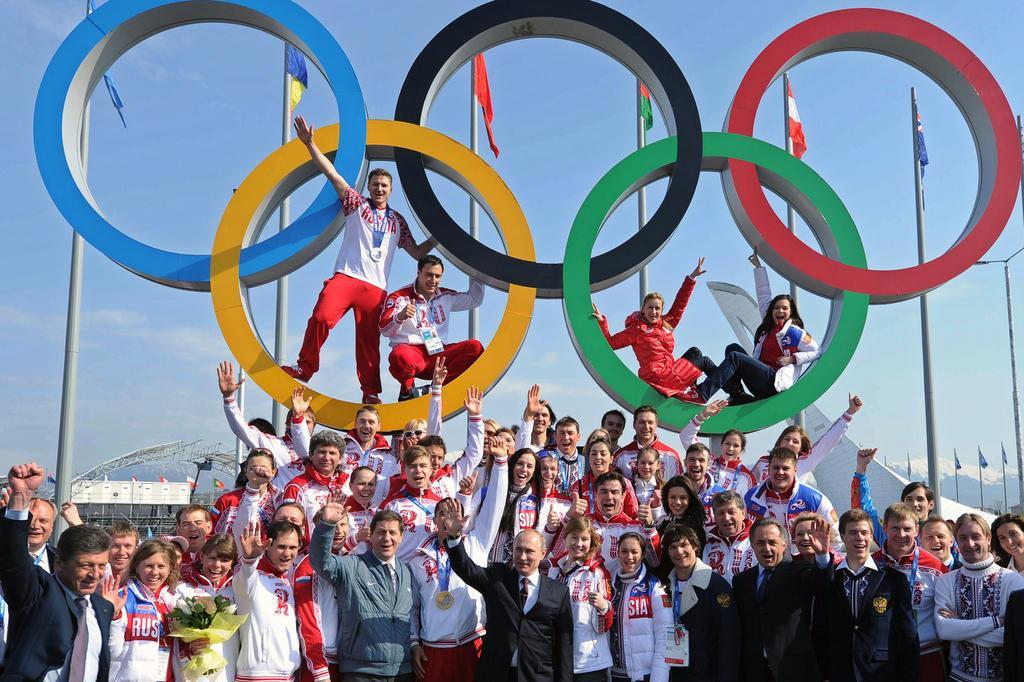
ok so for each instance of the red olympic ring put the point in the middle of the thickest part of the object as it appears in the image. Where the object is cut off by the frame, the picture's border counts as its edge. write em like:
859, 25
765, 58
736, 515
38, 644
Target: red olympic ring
958, 71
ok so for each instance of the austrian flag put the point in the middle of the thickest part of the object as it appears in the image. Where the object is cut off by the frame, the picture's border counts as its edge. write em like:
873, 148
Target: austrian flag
796, 128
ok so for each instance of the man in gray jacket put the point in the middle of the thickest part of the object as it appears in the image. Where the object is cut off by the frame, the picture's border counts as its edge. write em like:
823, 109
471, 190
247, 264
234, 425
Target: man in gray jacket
376, 597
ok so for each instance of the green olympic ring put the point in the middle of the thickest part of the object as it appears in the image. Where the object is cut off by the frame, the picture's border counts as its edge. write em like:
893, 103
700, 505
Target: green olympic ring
781, 172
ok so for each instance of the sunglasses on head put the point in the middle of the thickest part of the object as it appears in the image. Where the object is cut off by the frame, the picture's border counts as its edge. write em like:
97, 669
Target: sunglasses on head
417, 433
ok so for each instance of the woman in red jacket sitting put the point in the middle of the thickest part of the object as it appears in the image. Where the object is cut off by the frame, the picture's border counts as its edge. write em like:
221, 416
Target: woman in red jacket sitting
649, 333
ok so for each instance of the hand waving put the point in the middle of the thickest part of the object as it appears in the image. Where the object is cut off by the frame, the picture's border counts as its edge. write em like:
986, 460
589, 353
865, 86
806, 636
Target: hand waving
699, 270
300, 403
440, 373
474, 401
114, 594
226, 379
253, 544
303, 130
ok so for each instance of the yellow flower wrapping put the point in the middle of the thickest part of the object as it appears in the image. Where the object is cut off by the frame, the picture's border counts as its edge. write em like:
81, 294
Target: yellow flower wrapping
208, 661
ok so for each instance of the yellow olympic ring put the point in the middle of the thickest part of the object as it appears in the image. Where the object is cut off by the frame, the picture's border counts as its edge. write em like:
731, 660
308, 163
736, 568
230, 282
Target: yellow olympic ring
291, 165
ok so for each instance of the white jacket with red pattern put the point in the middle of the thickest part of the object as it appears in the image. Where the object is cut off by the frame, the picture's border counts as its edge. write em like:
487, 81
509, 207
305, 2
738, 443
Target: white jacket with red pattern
610, 529
726, 555
378, 457
416, 507
140, 650
316, 605
310, 491
668, 459
270, 648
288, 450
434, 313
590, 625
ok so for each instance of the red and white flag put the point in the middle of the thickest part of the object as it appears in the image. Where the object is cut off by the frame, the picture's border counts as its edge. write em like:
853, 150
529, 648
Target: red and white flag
135, 478
191, 482
482, 91
163, 480
796, 128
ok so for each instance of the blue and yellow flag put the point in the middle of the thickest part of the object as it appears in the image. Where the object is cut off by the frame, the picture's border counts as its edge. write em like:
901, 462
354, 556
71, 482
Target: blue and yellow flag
297, 70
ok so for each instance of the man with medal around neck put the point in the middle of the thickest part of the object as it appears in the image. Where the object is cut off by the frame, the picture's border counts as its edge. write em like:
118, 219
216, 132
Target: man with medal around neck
372, 232
415, 319
529, 621
448, 626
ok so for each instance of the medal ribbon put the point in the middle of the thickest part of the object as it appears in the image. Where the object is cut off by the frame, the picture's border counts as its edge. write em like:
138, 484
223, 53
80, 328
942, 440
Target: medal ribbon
379, 226
444, 571
418, 504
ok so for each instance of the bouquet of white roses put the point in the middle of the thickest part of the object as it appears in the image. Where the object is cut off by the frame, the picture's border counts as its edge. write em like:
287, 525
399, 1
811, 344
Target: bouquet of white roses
211, 618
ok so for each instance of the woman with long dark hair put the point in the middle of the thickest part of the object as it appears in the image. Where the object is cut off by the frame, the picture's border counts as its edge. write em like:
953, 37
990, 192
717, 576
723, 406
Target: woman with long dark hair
522, 505
682, 505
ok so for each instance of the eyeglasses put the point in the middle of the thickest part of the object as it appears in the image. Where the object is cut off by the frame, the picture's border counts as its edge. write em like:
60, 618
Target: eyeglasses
490, 434
417, 433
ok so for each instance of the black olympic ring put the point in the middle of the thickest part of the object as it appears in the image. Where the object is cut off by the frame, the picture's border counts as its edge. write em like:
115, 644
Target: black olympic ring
589, 23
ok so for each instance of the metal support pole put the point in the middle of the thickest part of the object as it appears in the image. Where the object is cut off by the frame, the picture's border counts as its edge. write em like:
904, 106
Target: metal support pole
474, 210
981, 484
798, 418
641, 195
278, 410
72, 333
1013, 381
934, 476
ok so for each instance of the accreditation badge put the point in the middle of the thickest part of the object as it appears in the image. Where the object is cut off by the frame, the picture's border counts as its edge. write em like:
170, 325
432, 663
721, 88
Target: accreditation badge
433, 344
444, 600
677, 646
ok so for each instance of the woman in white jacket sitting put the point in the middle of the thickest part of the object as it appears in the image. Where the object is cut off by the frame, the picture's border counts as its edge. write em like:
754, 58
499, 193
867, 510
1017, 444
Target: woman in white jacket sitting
582, 570
642, 612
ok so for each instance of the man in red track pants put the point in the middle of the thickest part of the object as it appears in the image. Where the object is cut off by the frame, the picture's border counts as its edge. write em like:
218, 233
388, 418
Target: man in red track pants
416, 317
372, 233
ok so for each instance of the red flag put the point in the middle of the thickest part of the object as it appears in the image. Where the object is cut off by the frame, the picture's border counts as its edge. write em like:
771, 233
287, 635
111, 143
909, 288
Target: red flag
482, 90
163, 480
191, 482
218, 484
134, 478
796, 128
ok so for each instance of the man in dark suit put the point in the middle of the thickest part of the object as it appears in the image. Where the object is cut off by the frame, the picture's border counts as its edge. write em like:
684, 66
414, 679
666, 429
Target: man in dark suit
59, 625
529, 621
1013, 638
771, 597
872, 632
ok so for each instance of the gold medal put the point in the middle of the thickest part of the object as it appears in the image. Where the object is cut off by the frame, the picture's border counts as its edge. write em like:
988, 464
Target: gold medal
444, 600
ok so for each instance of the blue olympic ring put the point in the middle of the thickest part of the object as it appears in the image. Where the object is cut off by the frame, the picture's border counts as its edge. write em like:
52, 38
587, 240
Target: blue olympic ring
106, 34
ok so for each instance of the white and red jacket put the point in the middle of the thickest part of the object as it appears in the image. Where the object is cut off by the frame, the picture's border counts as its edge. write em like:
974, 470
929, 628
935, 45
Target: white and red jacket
434, 313
288, 450
225, 509
793, 341
668, 459
270, 648
784, 507
591, 649
585, 489
806, 461
378, 457
464, 621
359, 517
610, 529
642, 612
727, 555
527, 515
316, 606
728, 475
922, 590
140, 650
198, 585
310, 490
416, 507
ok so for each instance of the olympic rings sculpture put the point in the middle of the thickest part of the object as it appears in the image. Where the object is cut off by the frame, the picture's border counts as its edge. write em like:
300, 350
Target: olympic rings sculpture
745, 164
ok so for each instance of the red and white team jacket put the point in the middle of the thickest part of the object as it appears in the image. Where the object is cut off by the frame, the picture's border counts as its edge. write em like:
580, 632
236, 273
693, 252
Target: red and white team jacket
668, 459
433, 313
922, 590
590, 627
198, 585
225, 509
316, 605
726, 555
288, 450
310, 490
359, 517
806, 461
378, 457
139, 646
610, 529
269, 639
416, 507
642, 612
585, 489
784, 507
464, 620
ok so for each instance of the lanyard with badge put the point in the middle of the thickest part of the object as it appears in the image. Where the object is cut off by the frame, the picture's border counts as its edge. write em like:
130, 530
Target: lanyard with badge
379, 222
444, 599
427, 331
677, 637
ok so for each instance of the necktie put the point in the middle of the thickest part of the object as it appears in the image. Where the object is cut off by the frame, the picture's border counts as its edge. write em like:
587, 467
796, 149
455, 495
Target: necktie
762, 588
394, 578
76, 671
524, 592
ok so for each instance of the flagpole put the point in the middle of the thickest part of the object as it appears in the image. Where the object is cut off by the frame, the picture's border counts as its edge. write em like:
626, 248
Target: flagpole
641, 195
1006, 502
981, 483
281, 311
934, 479
909, 475
790, 212
956, 475
474, 210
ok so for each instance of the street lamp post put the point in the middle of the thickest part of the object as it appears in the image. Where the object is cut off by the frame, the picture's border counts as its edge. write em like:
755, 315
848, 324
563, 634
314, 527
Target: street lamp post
1013, 369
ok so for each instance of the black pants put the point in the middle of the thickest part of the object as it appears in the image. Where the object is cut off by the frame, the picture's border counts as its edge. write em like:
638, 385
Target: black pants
595, 676
361, 677
737, 369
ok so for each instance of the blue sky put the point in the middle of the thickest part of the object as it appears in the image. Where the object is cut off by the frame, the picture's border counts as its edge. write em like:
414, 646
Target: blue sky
203, 107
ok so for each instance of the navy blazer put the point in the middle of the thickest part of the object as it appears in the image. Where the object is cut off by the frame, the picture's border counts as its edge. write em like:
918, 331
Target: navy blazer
874, 645
543, 636
43, 617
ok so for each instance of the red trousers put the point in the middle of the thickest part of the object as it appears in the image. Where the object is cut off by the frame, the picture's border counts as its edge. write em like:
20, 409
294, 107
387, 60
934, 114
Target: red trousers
452, 665
411, 361
340, 294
